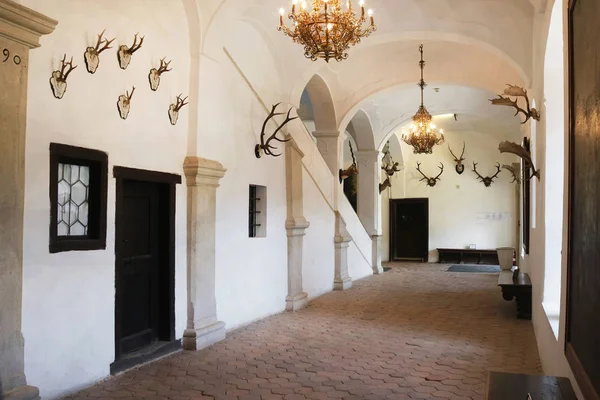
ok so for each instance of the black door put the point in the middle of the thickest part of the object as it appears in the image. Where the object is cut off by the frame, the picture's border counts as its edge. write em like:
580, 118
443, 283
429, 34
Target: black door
409, 229
138, 264
583, 279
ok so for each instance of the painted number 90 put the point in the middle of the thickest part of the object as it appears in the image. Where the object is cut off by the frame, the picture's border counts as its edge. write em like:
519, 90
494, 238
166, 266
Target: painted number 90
16, 58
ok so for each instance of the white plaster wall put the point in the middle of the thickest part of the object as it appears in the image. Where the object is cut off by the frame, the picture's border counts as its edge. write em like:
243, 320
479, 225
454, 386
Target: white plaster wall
462, 211
68, 298
318, 264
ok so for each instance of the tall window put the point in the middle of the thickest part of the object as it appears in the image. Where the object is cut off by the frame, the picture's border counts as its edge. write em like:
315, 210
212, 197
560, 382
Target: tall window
554, 167
78, 181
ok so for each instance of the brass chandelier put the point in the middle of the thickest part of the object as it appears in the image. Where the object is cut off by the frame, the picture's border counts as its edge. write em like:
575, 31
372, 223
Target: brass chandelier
422, 136
327, 31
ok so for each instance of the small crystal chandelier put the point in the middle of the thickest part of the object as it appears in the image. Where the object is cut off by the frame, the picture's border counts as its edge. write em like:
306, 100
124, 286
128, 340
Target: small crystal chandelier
326, 31
422, 136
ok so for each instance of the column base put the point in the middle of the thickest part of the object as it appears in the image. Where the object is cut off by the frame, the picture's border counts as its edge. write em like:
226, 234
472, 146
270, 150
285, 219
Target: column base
199, 338
22, 393
296, 302
342, 284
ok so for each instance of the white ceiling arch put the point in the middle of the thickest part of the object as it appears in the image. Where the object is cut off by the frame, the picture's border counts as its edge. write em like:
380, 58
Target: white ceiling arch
392, 110
503, 27
361, 129
447, 63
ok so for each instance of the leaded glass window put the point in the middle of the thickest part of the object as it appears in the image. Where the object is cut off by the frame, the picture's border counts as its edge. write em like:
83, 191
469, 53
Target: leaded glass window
73, 199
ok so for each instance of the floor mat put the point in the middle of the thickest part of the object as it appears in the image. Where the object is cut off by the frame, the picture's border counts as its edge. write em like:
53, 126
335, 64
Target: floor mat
476, 268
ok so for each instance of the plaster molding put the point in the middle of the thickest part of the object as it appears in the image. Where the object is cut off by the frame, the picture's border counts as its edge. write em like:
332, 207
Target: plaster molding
24, 25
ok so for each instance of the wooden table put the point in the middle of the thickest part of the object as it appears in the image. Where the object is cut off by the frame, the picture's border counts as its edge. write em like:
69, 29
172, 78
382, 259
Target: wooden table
504, 386
462, 256
520, 289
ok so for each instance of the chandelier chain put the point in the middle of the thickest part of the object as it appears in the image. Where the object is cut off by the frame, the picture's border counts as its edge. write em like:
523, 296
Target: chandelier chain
422, 136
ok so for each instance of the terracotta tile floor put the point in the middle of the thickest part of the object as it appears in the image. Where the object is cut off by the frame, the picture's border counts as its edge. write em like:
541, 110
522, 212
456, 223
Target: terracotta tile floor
413, 332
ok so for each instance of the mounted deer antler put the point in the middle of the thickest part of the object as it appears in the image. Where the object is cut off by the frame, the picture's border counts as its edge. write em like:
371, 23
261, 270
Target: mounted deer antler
513, 148
430, 181
516, 91
487, 180
388, 165
351, 170
386, 184
154, 75
124, 103
513, 169
125, 52
460, 168
91, 55
264, 146
174, 109
58, 80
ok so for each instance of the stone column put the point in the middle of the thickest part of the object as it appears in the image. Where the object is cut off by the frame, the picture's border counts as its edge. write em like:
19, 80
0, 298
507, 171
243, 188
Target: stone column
295, 225
203, 328
20, 31
342, 280
329, 145
369, 200
377, 268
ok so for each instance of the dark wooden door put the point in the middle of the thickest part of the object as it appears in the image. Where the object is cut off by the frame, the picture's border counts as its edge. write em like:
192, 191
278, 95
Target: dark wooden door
138, 264
583, 287
409, 229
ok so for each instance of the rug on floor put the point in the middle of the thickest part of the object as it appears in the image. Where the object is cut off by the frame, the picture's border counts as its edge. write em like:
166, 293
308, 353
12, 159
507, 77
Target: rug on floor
476, 268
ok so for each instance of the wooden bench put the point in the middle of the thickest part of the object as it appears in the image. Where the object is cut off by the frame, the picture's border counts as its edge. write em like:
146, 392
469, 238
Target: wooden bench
463, 256
520, 289
504, 386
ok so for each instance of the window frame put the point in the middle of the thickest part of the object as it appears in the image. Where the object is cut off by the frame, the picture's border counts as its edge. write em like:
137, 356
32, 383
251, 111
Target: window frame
253, 211
97, 161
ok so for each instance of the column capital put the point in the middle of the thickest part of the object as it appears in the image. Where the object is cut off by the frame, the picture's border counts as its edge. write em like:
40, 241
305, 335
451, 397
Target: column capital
368, 154
296, 226
325, 134
202, 172
23, 25
291, 144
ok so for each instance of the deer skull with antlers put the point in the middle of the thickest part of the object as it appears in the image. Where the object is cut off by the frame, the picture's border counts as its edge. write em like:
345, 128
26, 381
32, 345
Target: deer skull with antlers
386, 184
487, 180
58, 80
430, 181
125, 52
516, 91
174, 109
265, 146
460, 167
124, 103
154, 75
92, 54
351, 170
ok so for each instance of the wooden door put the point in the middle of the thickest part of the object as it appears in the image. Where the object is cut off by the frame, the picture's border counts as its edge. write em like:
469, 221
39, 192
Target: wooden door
409, 229
583, 285
138, 264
